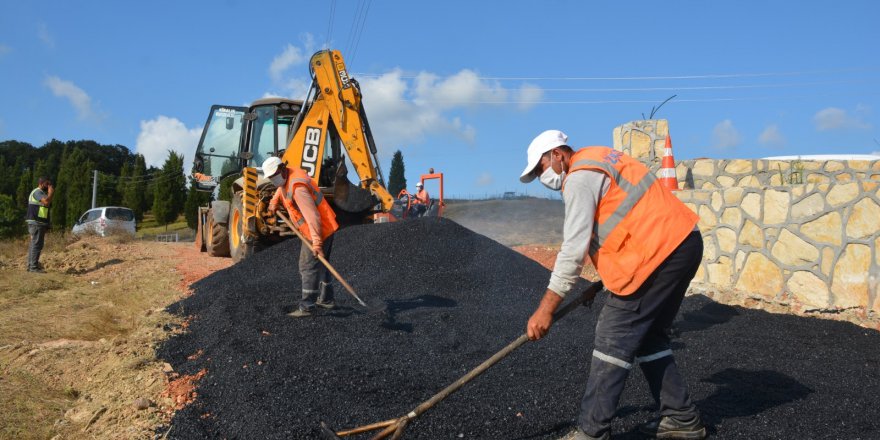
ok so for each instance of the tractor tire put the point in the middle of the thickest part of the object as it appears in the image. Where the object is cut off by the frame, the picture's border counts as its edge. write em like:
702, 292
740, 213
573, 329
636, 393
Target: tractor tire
217, 237
240, 247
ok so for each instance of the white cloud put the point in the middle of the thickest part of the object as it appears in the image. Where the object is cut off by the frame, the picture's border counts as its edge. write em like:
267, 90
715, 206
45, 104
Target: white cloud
875, 153
771, 136
290, 56
162, 134
4, 49
528, 96
44, 36
78, 98
833, 118
464, 89
397, 121
405, 110
485, 179
726, 135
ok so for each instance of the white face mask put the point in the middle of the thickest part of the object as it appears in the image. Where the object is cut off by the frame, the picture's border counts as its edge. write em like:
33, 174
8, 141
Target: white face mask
277, 180
551, 179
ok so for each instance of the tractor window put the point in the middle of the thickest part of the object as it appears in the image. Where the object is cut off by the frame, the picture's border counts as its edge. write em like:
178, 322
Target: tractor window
220, 141
263, 137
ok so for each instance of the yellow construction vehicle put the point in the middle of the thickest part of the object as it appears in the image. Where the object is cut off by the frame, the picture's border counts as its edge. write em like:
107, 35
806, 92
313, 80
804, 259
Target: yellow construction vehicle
321, 135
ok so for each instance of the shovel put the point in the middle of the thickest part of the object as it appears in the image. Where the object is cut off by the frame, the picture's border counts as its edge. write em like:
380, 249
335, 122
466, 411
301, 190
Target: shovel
330, 268
395, 427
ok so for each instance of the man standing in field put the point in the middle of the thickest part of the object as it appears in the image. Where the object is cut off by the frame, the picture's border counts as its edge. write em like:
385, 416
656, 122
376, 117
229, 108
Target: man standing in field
644, 243
37, 219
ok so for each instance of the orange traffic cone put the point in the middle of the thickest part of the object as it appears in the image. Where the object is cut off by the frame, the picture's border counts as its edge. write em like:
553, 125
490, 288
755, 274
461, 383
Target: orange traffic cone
667, 167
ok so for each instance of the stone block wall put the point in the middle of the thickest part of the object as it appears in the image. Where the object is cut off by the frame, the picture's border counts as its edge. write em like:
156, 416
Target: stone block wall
801, 233
814, 245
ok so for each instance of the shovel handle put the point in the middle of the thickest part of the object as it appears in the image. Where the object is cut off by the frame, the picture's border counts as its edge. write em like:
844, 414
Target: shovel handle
323, 260
586, 295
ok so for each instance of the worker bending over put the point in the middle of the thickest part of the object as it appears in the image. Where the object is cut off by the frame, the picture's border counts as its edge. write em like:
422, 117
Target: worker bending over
645, 245
313, 216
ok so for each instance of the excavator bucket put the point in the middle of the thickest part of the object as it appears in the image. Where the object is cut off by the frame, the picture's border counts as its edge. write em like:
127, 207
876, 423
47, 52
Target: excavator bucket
349, 197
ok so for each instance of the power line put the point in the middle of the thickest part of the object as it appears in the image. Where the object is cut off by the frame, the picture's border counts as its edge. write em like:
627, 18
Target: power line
652, 78
330, 23
360, 32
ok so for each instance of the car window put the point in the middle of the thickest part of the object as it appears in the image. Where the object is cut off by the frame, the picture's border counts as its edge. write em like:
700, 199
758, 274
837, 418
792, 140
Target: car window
122, 214
92, 215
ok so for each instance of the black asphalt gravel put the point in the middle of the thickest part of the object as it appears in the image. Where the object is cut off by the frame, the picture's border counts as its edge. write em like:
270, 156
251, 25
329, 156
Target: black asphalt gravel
454, 298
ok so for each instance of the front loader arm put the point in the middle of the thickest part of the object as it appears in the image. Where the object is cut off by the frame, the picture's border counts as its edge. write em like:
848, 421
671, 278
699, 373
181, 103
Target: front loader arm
337, 101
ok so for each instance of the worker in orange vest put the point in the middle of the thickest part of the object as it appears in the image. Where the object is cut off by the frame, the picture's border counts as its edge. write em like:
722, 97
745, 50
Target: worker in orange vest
646, 247
422, 200
313, 216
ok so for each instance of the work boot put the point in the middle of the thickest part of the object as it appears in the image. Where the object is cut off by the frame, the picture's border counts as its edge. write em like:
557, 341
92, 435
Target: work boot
672, 428
299, 313
37, 270
326, 305
577, 434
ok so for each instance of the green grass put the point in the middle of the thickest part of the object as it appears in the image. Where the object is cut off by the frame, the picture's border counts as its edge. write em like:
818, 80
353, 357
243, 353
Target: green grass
149, 228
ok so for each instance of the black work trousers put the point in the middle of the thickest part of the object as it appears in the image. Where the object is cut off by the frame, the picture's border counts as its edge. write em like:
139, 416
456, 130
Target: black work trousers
633, 330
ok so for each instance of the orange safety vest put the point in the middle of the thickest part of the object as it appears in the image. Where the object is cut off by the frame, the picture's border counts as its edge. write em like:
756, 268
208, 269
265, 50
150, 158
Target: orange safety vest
298, 177
638, 222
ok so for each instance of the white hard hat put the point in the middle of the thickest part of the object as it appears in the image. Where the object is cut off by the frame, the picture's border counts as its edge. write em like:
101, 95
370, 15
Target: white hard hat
543, 143
270, 166
419, 184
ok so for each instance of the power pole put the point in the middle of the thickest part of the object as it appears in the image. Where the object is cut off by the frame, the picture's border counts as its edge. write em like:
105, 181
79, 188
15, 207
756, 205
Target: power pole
94, 189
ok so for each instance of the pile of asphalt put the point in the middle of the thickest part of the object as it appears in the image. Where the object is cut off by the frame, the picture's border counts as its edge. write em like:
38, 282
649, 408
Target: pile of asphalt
453, 299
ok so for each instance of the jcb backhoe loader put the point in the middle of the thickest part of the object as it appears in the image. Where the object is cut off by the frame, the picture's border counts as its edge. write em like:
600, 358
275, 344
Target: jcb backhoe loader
317, 135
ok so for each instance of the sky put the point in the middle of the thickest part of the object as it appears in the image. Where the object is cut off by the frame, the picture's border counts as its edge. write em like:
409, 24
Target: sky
460, 86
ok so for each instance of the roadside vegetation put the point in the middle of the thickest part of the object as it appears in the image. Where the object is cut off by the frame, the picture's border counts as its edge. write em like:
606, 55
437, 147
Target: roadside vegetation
77, 343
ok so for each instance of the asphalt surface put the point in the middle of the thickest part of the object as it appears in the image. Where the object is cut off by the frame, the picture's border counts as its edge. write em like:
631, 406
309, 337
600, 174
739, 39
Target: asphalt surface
453, 299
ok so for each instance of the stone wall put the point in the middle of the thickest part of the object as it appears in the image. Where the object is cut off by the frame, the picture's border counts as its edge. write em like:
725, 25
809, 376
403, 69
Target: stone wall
813, 245
800, 233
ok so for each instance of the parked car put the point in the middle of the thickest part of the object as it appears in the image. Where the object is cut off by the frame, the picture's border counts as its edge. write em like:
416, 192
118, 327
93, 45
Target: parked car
105, 221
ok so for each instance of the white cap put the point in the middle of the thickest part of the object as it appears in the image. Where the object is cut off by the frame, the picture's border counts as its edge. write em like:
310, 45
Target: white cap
543, 143
419, 184
271, 165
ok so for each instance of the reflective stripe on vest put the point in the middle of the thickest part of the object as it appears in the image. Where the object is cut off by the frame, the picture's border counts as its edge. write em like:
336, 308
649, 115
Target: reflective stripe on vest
634, 193
638, 223
317, 195
43, 211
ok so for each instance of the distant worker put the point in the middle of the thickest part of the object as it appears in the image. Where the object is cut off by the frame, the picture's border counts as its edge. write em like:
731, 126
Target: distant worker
37, 219
310, 212
422, 200
645, 245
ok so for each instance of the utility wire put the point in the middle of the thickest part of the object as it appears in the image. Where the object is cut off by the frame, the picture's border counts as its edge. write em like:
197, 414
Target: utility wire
330, 24
353, 28
360, 32
651, 78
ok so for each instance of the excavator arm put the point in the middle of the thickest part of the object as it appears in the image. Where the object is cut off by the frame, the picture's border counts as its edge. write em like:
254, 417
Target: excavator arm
336, 105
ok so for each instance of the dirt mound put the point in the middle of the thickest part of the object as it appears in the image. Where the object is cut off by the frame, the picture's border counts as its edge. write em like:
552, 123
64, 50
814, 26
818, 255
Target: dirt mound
454, 298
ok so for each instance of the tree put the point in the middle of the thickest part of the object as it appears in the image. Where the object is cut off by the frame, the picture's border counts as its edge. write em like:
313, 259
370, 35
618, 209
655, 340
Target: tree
11, 223
194, 199
135, 188
397, 175
169, 193
73, 189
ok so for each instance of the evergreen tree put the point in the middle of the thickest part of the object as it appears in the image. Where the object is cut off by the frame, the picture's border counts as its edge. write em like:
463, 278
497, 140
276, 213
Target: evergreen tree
194, 199
24, 188
169, 190
397, 175
11, 223
134, 188
74, 187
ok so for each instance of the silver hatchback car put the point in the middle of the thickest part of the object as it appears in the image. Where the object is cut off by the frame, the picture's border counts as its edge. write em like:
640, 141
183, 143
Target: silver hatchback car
105, 221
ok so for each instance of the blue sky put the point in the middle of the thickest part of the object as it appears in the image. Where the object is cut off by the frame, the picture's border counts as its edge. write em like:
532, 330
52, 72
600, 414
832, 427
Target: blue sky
461, 86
